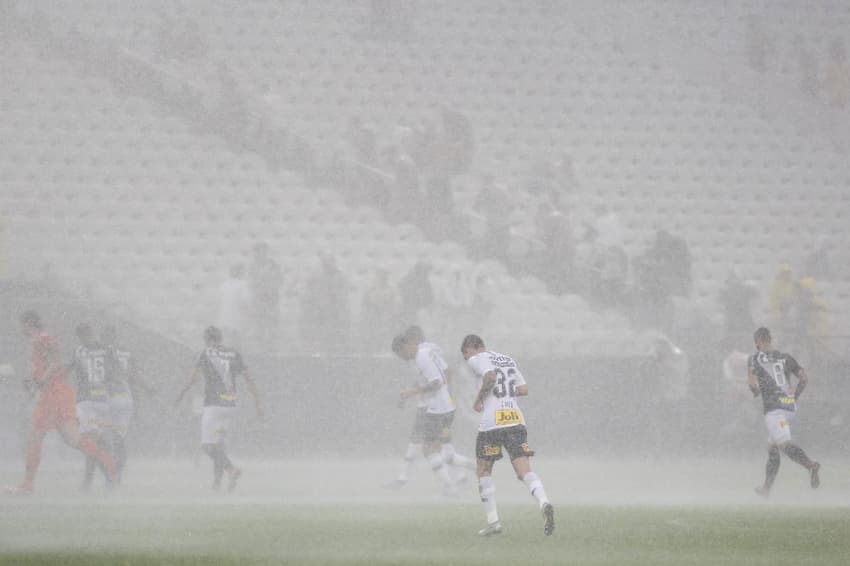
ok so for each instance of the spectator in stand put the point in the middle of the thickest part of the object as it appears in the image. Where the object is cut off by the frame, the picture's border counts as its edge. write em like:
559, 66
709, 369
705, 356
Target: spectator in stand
609, 228
494, 204
266, 280
671, 255
653, 296
817, 263
416, 292
837, 75
234, 306
557, 258
783, 296
406, 200
811, 323
667, 372
458, 140
363, 141
325, 312
584, 259
608, 276
565, 175
736, 299
379, 313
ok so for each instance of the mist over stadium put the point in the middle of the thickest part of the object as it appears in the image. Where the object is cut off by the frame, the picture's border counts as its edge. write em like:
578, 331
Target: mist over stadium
615, 194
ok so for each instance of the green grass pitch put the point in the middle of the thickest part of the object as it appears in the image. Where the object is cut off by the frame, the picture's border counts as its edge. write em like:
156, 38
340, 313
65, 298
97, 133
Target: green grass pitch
335, 512
213, 534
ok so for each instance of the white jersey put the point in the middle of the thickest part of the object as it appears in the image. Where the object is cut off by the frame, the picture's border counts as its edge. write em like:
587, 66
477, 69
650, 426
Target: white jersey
500, 404
432, 367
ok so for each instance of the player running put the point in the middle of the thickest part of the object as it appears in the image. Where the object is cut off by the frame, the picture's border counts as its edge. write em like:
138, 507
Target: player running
122, 378
502, 424
436, 410
770, 374
54, 407
89, 367
220, 366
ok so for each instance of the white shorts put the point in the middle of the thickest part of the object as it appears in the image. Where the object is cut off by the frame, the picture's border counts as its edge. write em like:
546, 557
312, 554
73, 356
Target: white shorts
93, 416
215, 423
778, 423
120, 413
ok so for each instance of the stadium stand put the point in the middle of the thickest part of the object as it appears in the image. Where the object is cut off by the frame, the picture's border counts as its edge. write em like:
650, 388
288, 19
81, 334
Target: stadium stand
649, 139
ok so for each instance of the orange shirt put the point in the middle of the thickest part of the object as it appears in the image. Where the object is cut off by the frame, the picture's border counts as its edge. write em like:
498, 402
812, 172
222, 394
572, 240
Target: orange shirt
44, 348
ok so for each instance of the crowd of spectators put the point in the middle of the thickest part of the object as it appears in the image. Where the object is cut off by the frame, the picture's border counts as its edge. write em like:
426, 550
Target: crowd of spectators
824, 76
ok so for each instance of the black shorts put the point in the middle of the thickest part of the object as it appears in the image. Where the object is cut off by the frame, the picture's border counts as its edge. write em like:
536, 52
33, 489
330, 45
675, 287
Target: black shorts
417, 433
488, 445
438, 428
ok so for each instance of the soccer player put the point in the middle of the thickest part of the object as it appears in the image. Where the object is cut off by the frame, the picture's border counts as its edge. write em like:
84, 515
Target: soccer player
434, 418
54, 407
220, 366
89, 367
122, 379
770, 374
417, 432
502, 425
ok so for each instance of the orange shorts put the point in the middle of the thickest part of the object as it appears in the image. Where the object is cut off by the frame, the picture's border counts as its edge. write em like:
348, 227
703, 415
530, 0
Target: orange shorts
56, 405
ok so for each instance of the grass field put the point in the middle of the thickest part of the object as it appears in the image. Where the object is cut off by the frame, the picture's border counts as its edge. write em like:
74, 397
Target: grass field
335, 512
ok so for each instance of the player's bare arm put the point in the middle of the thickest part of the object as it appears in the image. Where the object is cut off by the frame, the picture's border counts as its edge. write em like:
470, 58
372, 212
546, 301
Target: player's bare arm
255, 394
753, 384
487, 383
433, 385
802, 381
195, 377
521, 390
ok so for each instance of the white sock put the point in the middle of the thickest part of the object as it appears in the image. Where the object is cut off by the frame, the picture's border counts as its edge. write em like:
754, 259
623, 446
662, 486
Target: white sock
436, 462
535, 486
413, 450
454, 459
487, 490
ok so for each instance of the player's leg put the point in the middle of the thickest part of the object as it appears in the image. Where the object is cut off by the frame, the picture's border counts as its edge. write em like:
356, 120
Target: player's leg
414, 449
798, 455
431, 449
452, 458
215, 424
770, 470
69, 430
219, 461
41, 423
488, 450
447, 449
32, 459
121, 413
778, 433
518, 450
88, 473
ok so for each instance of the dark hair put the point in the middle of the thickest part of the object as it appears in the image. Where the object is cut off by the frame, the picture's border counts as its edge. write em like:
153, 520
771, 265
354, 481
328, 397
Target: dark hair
471, 341
83, 329
414, 332
212, 334
762, 333
30, 318
398, 343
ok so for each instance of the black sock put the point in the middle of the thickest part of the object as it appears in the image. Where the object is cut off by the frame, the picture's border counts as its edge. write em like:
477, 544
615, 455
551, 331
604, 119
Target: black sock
88, 477
216, 455
119, 452
772, 467
796, 453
